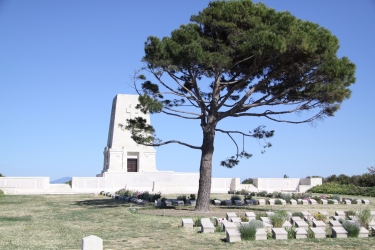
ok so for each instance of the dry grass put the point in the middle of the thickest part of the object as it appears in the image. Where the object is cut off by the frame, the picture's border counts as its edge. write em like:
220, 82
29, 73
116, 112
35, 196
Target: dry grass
61, 221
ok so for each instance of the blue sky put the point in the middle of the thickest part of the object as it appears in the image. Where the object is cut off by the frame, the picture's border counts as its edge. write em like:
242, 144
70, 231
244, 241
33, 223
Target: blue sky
62, 62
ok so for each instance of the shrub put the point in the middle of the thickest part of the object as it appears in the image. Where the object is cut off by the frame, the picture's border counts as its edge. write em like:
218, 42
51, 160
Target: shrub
235, 197
278, 219
331, 202
278, 202
319, 217
238, 192
248, 181
306, 195
244, 219
354, 201
296, 196
262, 193
244, 192
197, 222
182, 198
219, 229
291, 232
231, 192
350, 213
286, 197
317, 199
364, 217
352, 229
155, 196
192, 197
248, 231
247, 197
297, 214
1, 192
260, 214
336, 197
276, 194
145, 196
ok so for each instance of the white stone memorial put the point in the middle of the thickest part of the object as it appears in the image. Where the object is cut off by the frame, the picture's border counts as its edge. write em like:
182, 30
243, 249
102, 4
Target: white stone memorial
319, 233
339, 232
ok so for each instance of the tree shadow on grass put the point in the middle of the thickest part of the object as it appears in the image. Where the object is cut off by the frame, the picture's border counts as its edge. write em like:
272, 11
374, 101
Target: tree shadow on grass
101, 203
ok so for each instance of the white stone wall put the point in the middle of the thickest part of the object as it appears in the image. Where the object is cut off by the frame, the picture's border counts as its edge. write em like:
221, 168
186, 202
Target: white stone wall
24, 185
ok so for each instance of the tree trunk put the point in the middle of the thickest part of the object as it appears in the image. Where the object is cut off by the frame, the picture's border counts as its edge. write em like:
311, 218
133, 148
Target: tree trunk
205, 171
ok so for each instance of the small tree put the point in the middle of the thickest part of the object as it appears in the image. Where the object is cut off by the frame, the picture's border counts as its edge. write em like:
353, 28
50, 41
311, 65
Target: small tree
1, 175
237, 59
248, 181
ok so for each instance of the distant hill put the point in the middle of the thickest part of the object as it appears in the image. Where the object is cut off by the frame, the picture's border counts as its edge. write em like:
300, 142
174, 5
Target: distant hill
61, 180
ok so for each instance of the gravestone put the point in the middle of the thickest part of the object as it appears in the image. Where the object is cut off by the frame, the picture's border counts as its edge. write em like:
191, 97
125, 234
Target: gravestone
232, 235
92, 242
339, 232
340, 213
319, 223
261, 234
319, 233
363, 233
335, 223
279, 234
230, 215
187, 223
301, 233
302, 224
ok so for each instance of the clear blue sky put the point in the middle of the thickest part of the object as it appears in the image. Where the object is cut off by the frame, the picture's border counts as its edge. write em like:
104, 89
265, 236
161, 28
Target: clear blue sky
62, 62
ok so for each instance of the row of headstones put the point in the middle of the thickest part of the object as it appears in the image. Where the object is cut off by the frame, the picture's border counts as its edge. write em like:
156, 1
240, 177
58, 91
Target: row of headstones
283, 202
158, 203
231, 223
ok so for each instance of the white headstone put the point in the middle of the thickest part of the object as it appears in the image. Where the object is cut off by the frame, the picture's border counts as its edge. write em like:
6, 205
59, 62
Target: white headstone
92, 242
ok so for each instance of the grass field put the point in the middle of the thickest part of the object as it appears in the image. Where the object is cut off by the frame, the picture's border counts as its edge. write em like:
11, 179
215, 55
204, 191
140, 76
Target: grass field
61, 221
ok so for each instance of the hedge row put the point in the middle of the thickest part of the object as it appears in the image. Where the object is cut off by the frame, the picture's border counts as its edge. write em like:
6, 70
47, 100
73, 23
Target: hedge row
349, 189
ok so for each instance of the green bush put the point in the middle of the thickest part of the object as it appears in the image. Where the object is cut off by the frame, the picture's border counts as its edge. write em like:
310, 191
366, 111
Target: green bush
260, 214
262, 193
346, 189
286, 197
297, 214
1, 192
336, 197
197, 222
352, 229
291, 232
354, 201
247, 197
364, 217
331, 202
182, 198
248, 231
278, 219
278, 202
350, 213
235, 197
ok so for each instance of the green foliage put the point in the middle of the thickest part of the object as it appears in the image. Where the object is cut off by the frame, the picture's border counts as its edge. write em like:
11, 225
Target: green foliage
364, 217
348, 189
262, 193
235, 197
260, 214
197, 222
248, 181
364, 180
192, 197
350, 213
1, 175
297, 214
278, 219
182, 198
352, 229
244, 219
331, 202
1, 192
286, 197
248, 231
278, 202
319, 217
291, 232
336, 197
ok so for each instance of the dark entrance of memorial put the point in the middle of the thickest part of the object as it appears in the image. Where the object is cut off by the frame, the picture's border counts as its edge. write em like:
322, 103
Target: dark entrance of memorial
132, 165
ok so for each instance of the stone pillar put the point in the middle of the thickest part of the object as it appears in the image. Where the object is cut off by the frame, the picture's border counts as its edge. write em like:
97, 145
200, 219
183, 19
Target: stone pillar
120, 147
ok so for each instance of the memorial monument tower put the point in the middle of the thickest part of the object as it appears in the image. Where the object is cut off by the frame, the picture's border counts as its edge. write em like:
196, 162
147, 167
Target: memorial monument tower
122, 154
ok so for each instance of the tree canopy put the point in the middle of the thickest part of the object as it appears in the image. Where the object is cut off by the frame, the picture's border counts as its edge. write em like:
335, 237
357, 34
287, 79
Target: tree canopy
240, 59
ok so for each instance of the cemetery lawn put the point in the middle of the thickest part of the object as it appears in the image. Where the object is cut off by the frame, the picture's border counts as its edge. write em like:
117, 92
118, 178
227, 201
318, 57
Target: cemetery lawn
61, 221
